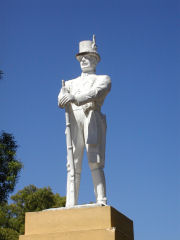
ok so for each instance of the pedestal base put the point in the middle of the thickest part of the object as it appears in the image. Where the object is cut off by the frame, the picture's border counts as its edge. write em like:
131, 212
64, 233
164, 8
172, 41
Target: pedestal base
90, 223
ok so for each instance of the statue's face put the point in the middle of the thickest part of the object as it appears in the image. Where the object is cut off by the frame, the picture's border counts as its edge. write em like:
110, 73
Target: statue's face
88, 63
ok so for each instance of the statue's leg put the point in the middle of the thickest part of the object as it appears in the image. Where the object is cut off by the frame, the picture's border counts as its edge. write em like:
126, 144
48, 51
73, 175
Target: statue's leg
99, 183
78, 149
96, 159
78, 156
68, 202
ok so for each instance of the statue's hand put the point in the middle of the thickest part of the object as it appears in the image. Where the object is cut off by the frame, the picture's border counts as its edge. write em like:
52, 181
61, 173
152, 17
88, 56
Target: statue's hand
67, 98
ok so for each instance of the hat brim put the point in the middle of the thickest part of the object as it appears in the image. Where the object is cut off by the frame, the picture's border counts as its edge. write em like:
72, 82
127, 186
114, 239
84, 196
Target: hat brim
79, 55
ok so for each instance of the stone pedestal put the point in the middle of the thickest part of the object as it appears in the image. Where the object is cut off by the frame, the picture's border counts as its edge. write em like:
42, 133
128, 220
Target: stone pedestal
86, 223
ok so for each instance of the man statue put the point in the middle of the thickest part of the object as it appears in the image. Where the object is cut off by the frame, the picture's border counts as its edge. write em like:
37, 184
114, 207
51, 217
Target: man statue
85, 95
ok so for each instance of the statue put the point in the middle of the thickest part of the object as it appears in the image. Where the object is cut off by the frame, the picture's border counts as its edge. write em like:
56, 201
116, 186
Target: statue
82, 99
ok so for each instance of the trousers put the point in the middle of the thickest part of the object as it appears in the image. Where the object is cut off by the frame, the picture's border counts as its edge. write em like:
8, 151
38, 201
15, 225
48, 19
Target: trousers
80, 129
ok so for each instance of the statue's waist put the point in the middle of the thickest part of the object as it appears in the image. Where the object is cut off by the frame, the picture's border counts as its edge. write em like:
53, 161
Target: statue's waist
87, 107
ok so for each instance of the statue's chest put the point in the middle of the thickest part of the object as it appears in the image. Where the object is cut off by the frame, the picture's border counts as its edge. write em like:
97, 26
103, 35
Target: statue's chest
82, 85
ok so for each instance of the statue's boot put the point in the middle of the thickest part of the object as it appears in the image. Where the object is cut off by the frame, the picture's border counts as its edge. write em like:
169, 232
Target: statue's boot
68, 202
69, 188
77, 184
99, 185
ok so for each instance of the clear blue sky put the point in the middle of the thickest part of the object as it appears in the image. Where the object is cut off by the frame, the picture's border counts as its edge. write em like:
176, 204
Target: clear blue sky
139, 46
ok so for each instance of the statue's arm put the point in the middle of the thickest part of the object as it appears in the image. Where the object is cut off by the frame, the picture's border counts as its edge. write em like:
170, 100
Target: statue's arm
100, 89
61, 93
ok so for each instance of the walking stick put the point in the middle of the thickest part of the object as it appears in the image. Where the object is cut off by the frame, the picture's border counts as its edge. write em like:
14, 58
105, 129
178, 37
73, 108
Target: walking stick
70, 199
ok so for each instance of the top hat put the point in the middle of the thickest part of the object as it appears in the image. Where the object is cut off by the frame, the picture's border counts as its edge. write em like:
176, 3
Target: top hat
88, 47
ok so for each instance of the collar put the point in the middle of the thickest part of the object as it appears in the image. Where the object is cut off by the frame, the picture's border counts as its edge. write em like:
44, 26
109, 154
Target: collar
87, 74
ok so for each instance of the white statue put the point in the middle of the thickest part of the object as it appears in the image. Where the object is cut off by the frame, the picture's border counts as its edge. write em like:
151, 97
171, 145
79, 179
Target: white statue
82, 98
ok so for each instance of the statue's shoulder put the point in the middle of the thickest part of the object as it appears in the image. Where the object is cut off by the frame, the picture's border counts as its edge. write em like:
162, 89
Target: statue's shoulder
69, 82
104, 78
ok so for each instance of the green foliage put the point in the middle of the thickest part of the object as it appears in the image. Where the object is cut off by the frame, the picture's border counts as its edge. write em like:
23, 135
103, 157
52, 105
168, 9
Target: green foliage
29, 199
8, 234
10, 167
6, 230
59, 201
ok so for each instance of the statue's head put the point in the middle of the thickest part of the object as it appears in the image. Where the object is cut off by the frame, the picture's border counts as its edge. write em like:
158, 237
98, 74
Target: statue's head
88, 56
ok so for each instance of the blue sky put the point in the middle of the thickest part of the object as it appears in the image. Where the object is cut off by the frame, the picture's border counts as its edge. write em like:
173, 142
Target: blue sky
138, 42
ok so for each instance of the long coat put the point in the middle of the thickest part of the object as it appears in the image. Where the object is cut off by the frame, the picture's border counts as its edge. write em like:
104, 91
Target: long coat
90, 91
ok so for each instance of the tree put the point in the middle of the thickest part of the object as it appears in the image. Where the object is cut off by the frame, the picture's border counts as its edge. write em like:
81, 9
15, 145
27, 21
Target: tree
6, 230
8, 234
30, 199
10, 167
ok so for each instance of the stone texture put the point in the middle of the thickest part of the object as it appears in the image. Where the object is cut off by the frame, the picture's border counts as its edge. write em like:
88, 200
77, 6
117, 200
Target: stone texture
99, 223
